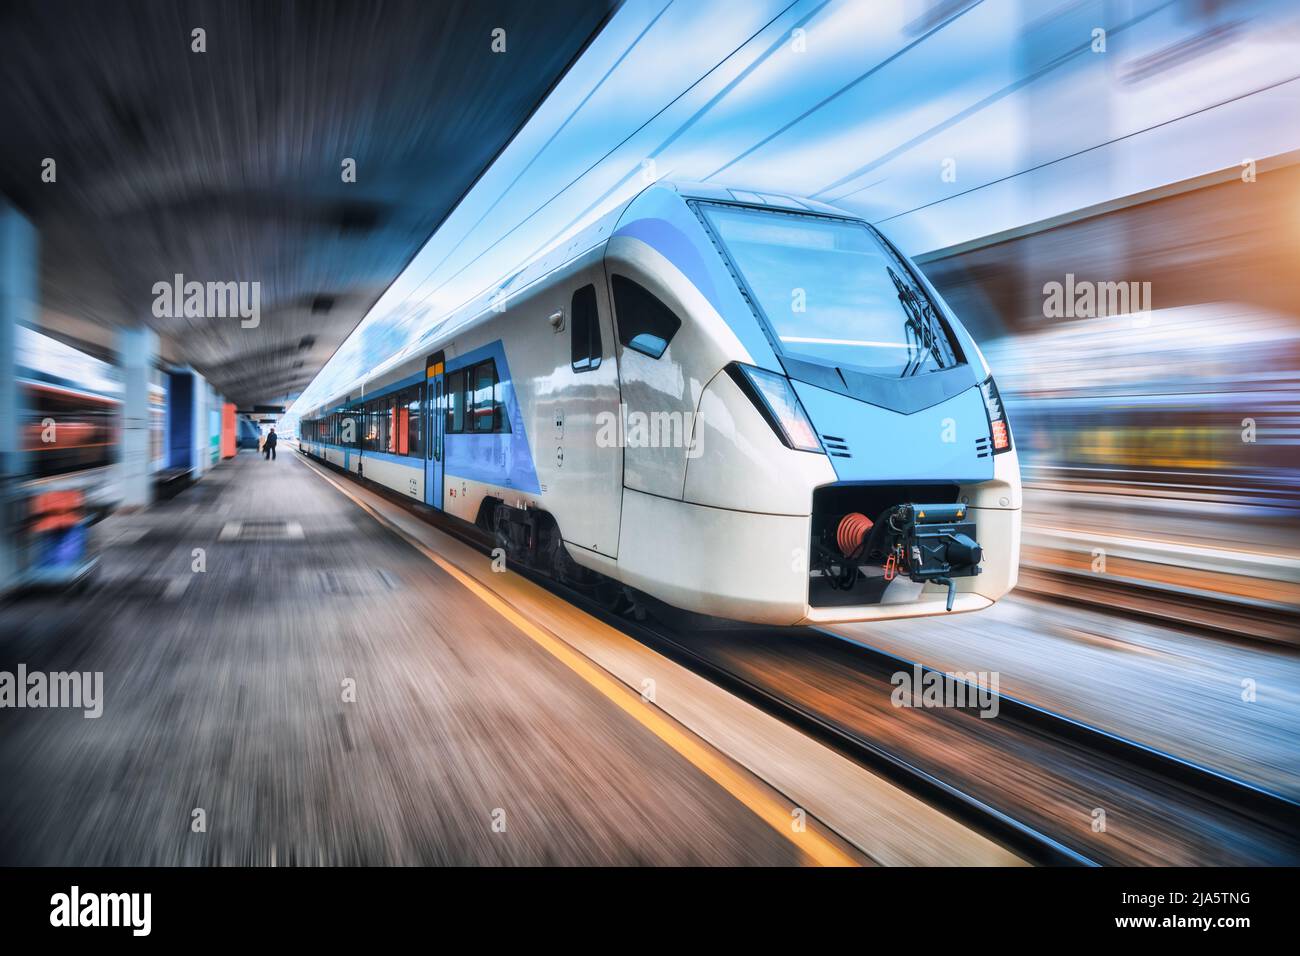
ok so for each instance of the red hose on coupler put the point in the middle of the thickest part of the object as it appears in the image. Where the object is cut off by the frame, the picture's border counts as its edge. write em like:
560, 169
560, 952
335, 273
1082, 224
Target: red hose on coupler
852, 533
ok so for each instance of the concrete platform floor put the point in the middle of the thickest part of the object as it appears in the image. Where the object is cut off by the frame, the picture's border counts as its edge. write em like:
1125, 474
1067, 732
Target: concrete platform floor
224, 691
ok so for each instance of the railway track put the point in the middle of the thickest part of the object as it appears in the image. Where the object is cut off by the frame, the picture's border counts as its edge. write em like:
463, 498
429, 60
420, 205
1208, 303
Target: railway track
1031, 844
1167, 810
1221, 614
1267, 824
1219, 567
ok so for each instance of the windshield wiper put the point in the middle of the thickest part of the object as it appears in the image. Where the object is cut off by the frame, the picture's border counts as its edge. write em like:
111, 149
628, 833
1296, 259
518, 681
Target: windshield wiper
921, 317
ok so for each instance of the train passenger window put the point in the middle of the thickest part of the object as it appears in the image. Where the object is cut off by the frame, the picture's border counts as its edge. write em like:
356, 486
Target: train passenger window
376, 426
475, 401
645, 324
485, 381
455, 403
500, 417
414, 419
396, 415
585, 323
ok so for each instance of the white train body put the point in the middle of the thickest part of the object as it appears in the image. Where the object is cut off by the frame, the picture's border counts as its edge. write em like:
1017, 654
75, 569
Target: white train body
706, 465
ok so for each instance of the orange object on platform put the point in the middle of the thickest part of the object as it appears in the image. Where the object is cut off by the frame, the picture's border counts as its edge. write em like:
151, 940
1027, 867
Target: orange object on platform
228, 430
56, 509
50, 502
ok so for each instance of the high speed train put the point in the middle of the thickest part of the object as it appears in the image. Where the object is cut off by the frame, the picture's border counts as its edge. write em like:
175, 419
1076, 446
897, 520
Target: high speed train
744, 405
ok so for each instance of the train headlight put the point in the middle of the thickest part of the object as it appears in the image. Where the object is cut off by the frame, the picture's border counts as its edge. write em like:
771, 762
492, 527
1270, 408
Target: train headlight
999, 430
774, 397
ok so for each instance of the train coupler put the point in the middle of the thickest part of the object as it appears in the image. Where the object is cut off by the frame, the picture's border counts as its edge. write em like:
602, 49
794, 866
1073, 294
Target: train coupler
937, 540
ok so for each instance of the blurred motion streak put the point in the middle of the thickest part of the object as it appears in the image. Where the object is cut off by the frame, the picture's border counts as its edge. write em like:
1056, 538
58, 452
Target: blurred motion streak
1006, 145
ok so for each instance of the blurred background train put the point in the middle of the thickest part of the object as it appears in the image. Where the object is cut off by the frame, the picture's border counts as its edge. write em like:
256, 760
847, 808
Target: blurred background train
72, 404
72, 420
1164, 441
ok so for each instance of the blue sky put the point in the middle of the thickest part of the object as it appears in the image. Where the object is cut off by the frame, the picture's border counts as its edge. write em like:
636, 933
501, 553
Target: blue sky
942, 129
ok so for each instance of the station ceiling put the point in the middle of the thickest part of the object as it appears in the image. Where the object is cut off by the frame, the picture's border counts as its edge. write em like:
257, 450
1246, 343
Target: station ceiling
227, 165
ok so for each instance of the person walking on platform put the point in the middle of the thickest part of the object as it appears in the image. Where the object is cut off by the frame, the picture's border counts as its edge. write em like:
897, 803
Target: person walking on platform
269, 444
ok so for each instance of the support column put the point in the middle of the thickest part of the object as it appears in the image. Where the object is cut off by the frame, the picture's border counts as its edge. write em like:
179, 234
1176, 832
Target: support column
137, 351
200, 433
18, 306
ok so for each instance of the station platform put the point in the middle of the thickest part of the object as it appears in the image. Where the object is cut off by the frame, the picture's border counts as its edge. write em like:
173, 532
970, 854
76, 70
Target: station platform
275, 654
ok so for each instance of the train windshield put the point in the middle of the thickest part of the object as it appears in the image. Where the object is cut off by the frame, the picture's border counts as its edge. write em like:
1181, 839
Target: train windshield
832, 293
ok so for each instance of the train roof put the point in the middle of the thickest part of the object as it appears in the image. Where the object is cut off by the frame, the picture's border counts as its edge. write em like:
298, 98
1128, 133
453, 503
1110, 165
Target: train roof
563, 251
753, 197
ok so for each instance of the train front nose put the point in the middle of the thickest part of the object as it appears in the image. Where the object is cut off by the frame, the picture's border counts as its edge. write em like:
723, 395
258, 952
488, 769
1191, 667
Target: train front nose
913, 517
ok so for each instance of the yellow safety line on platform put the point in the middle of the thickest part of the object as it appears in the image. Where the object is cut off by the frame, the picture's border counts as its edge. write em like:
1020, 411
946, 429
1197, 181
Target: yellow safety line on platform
775, 814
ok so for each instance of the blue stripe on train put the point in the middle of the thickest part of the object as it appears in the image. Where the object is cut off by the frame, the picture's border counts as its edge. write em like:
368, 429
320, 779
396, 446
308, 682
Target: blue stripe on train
406, 460
504, 460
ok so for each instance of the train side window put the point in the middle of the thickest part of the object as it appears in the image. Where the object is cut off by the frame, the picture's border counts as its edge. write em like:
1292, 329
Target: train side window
585, 325
475, 402
500, 414
374, 426
490, 397
395, 412
645, 324
485, 382
414, 419
455, 403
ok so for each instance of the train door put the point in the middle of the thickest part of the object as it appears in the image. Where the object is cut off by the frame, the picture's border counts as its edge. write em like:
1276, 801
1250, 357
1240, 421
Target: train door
585, 488
435, 453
